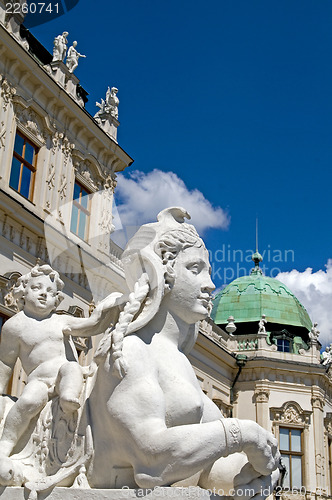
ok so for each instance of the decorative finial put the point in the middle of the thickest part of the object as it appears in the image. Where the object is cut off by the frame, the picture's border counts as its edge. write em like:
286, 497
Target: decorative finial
256, 234
230, 327
256, 257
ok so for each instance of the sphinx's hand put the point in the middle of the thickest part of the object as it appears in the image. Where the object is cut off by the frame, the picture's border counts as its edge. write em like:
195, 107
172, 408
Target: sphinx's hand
260, 446
249, 483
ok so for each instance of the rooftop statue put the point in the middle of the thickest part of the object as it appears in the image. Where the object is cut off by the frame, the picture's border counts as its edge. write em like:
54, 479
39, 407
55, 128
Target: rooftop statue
60, 47
261, 324
144, 420
73, 57
314, 333
109, 105
326, 356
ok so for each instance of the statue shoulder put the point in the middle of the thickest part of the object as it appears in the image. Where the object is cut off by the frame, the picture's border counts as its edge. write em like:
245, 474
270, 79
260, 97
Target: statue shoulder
137, 353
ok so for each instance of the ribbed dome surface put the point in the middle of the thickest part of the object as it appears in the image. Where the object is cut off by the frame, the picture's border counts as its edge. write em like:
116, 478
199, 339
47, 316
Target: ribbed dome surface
248, 297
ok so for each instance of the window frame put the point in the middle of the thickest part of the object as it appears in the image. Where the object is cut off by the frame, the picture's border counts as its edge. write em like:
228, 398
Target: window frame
290, 453
80, 208
23, 162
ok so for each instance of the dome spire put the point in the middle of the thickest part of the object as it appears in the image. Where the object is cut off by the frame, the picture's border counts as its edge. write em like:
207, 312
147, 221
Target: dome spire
256, 257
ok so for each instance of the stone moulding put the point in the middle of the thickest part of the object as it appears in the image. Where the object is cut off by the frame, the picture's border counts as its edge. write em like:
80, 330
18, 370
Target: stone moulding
116, 494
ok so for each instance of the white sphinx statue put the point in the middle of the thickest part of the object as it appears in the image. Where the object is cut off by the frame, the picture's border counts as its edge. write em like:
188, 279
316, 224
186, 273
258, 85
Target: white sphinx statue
143, 420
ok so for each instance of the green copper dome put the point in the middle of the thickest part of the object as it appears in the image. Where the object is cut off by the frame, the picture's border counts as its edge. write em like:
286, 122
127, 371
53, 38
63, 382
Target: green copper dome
248, 297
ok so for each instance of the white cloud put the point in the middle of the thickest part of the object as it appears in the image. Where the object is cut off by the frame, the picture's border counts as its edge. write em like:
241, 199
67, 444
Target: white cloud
142, 196
314, 291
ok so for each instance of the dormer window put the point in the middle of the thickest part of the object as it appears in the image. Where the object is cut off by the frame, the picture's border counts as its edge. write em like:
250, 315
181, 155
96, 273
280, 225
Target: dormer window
283, 345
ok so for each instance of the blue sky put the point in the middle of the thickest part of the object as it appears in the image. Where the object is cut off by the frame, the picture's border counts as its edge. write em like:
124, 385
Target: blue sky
235, 98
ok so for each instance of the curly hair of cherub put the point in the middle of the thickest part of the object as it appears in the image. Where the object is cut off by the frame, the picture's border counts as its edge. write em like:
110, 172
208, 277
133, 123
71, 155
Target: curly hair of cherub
38, 270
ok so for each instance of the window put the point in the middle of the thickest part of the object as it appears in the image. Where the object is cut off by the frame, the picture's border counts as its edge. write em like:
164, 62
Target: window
23, 166
283, 345
80, 212
290, 443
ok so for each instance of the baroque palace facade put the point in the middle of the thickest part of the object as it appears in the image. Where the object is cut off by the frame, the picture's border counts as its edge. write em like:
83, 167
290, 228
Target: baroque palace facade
58, 168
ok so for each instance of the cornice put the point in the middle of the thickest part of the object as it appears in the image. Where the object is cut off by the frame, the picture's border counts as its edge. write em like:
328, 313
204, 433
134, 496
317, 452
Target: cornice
115, 156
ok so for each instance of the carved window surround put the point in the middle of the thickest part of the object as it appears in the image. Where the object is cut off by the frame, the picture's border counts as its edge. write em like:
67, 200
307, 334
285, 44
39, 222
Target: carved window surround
32, 121
291, 415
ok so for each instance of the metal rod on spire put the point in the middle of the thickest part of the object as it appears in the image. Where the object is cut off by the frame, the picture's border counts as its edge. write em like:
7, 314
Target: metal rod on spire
256, 234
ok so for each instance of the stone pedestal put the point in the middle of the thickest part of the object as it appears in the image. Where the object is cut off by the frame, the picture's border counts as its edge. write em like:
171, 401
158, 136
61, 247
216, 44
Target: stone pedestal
108, 123
192, 493
67, 80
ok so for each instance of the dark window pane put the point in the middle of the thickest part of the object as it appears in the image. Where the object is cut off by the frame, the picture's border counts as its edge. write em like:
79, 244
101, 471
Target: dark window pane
29, 153
25, 183
82, 225
19, 142
283, 345
77, 190
15, 174
1, 323
74, 216
284, 439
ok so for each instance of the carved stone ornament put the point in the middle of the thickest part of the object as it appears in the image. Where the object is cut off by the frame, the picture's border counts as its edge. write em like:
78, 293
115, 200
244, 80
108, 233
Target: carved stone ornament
317, 402
29, 119
63, 187
87, 171
67, 148
56, 141
7, 93
3, 136
7, 284
50, 181
262, 395
291, 413
115, 423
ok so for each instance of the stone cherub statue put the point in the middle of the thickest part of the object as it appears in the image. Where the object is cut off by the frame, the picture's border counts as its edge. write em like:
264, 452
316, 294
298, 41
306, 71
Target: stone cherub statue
261, 324
41, 340
144, 415
72, 57
60, 47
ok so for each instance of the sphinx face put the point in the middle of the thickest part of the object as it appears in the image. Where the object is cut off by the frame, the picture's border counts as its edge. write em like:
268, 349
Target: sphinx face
190, 296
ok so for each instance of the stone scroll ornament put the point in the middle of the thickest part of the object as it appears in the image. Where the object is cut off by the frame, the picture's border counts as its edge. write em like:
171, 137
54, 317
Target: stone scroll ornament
136, 417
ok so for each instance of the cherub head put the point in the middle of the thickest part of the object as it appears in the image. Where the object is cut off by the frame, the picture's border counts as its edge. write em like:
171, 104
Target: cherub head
39, 291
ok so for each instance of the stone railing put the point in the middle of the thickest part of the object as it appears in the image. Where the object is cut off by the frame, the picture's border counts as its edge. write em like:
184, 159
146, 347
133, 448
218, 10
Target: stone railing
247, 343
